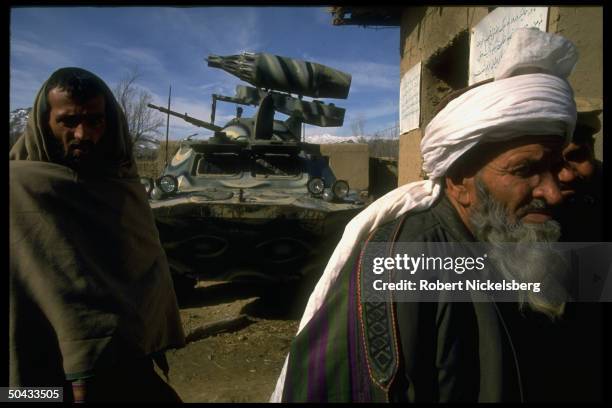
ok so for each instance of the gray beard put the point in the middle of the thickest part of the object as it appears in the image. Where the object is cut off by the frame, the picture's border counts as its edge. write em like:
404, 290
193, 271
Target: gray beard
520, 261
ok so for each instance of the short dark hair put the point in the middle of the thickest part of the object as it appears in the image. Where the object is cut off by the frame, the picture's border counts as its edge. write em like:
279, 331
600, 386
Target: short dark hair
80, 84
584, 134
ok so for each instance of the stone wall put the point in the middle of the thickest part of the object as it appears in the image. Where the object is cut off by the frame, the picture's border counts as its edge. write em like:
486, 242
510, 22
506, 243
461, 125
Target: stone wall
584, 26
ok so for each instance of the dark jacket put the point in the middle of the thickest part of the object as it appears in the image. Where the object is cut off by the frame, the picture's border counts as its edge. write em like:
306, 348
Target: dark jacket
384, 350
452, 351
490, 351
381, 350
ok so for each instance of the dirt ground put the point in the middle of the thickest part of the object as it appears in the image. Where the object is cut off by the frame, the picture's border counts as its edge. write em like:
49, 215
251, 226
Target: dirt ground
239, 364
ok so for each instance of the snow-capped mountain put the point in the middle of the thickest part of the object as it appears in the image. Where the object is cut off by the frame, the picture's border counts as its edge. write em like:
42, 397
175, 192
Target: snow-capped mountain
17, 123
327, 138
19, 117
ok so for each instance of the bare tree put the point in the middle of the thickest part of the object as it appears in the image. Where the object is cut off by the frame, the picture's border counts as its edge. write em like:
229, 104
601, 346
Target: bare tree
143, 122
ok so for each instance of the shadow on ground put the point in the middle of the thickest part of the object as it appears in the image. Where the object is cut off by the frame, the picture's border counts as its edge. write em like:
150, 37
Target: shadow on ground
273, 300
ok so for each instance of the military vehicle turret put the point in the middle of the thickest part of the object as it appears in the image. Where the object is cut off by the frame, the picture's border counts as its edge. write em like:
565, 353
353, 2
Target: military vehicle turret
254, 200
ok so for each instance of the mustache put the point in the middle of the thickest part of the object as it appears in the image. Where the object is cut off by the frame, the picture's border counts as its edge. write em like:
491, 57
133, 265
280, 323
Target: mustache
83, 145
87, 149
537, 204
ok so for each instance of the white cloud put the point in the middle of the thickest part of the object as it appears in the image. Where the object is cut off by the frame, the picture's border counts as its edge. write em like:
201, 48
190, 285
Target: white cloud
246, 36
23, 87
366, 75
130, 56
31, 63
43, 55
191, 107
238, 30
211, 87
227, 88
369, 113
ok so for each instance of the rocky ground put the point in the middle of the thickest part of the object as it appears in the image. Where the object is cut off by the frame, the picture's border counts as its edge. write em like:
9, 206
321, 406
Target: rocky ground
239, 358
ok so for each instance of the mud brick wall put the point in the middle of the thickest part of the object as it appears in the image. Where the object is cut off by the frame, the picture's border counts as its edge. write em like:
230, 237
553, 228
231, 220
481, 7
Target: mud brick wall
439, 38
350, 162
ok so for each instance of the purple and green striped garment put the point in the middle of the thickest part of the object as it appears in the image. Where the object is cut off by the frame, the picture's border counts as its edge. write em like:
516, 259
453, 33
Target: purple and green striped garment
327, 360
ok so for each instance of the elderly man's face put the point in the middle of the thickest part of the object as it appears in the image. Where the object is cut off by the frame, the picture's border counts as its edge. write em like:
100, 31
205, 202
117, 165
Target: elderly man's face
523, 178
509, 199
77, 125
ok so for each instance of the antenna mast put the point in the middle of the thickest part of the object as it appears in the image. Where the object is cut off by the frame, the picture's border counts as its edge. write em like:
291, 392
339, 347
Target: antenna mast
168, 124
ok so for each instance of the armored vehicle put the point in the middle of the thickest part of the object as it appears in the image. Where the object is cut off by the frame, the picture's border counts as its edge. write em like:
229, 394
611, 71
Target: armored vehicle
254, 201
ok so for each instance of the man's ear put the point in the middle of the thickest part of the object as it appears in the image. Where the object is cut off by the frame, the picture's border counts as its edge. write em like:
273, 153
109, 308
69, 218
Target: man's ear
460, 189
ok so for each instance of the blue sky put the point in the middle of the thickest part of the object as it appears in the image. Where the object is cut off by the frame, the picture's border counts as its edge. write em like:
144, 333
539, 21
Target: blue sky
167, 45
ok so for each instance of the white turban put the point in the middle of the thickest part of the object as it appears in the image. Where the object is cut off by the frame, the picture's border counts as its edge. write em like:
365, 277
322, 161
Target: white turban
530, 104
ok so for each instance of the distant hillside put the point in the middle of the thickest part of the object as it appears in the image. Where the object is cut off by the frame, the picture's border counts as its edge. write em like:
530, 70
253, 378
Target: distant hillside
326, 138
17, 123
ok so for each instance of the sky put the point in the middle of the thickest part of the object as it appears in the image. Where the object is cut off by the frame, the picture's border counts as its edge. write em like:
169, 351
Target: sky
167, 46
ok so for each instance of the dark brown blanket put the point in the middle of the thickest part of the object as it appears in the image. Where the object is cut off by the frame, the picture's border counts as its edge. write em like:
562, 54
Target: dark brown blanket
87, 270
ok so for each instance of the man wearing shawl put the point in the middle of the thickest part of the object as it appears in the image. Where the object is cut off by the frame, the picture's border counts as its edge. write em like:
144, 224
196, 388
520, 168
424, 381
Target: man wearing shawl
492, 155
91, 297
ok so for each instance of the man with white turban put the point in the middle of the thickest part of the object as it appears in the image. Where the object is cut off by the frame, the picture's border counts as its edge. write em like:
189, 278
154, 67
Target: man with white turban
492, 155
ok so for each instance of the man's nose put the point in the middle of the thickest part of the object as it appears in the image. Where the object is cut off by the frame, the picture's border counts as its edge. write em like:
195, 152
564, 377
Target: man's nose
82, 132
567, 174
548, 189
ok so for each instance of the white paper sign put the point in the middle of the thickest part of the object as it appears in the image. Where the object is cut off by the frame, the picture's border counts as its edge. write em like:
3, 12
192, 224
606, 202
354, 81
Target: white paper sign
490, 37
410, 103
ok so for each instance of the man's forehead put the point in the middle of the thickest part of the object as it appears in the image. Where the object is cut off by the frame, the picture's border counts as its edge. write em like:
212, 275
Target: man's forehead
484, 154
61, 100
526, 144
